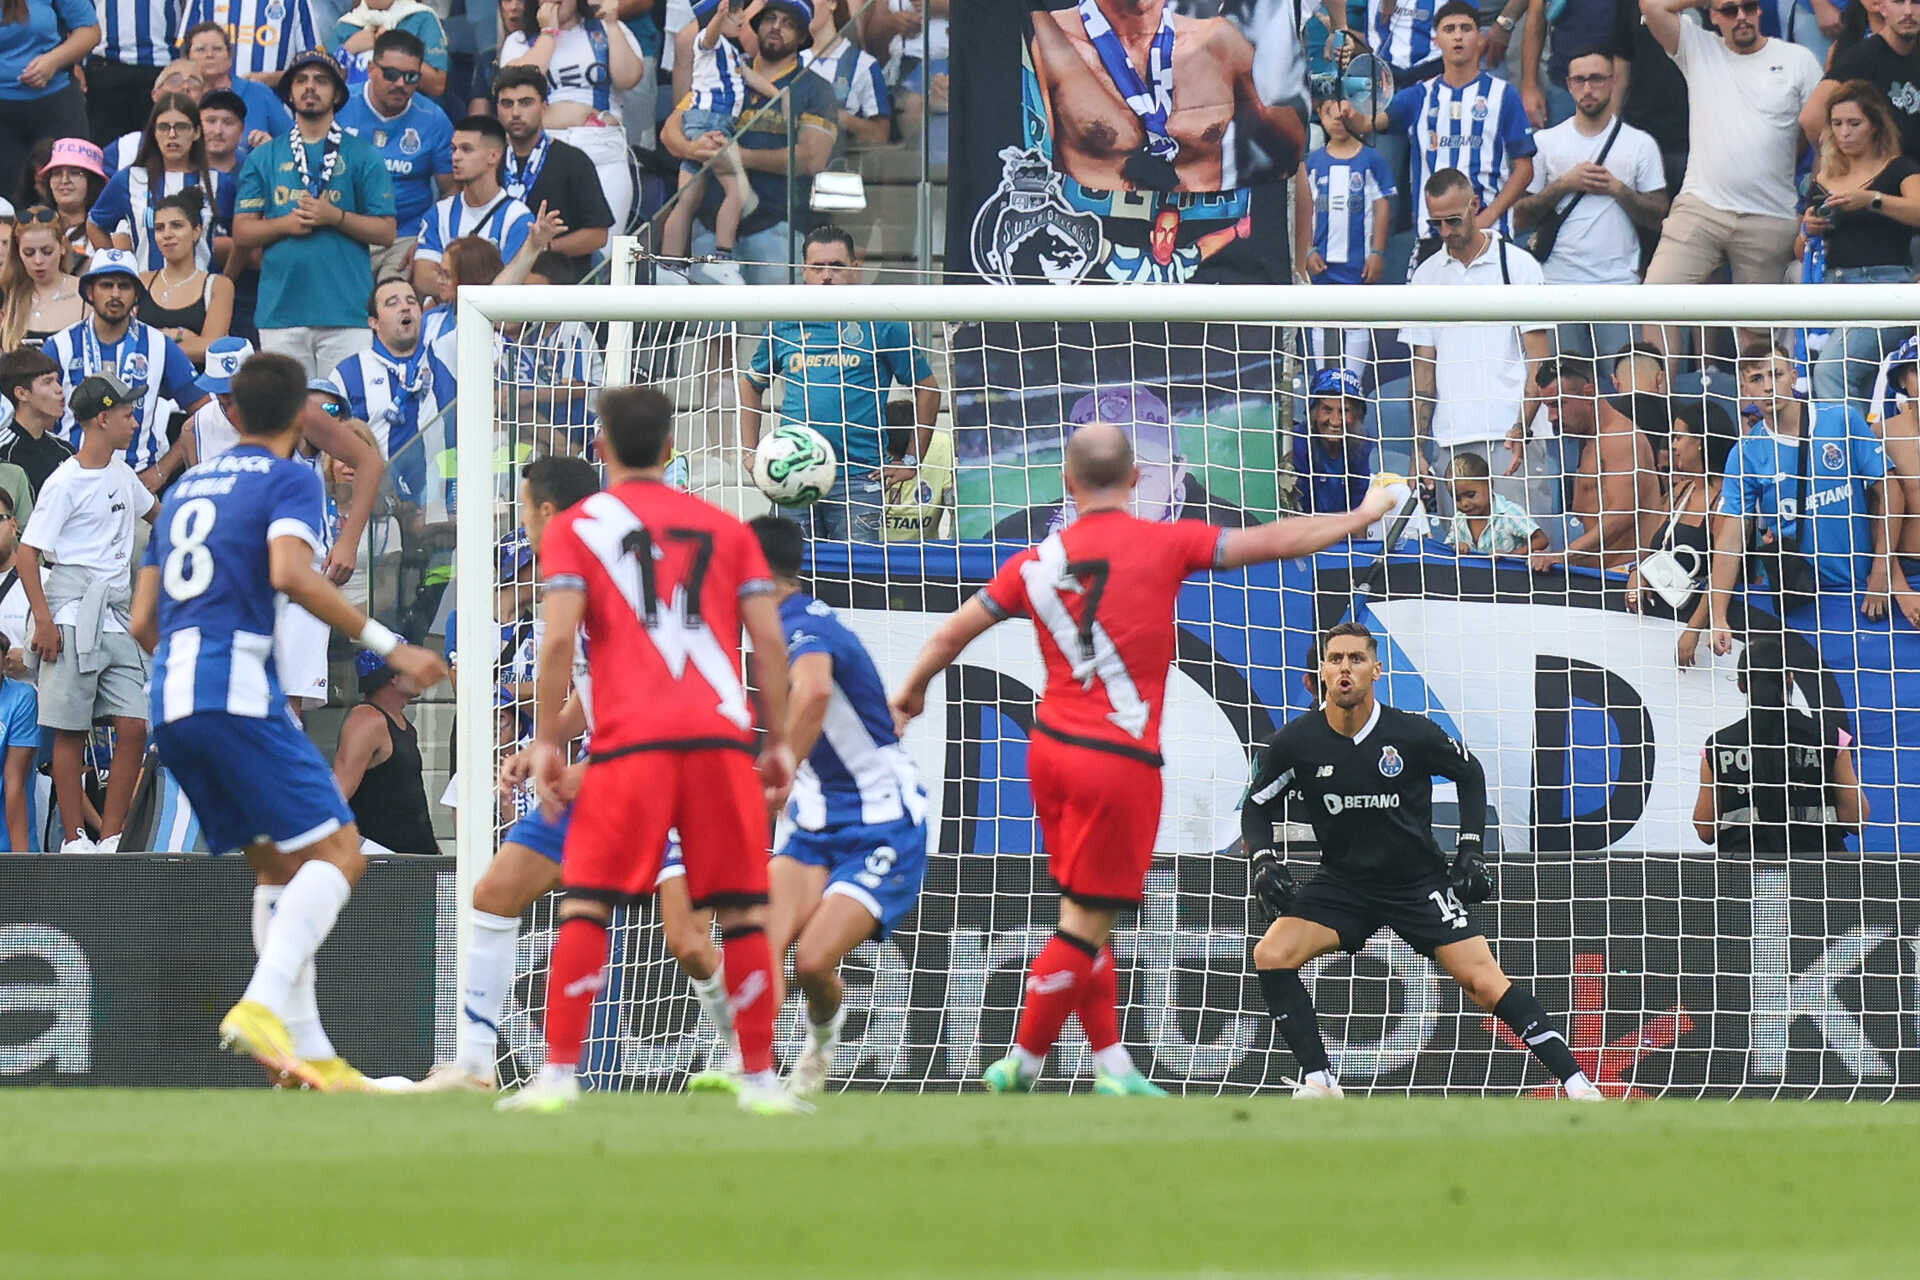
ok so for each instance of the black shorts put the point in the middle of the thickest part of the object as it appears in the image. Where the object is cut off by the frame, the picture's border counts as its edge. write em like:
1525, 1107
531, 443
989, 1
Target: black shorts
1427, 913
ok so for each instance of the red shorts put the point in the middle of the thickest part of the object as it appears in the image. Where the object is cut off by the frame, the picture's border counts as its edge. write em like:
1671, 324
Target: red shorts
1099, 813
618, 832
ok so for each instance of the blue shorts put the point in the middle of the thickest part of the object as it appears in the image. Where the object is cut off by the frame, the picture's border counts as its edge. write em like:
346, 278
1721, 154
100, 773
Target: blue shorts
879, 866
286, 793
696, 121
548, 838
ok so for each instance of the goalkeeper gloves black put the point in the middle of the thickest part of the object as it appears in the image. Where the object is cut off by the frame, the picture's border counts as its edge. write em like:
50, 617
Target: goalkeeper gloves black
1273, 885
1469, 877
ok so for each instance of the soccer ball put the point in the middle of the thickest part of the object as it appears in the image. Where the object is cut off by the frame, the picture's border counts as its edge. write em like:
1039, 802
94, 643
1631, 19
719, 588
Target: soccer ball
794, 465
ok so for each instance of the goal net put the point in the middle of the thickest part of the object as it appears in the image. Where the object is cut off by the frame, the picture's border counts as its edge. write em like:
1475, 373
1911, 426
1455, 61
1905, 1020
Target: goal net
1777, 958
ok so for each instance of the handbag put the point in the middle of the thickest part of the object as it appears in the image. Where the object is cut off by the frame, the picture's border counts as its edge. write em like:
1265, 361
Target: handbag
1788, 567
1548, 232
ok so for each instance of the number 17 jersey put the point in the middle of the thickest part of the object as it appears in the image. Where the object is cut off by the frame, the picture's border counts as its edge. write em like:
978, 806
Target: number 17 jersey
1101, 593
664, 574
217, 602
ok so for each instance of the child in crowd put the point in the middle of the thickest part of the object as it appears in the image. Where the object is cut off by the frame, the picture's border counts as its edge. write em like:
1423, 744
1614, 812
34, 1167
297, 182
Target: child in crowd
1485, 523
721, 79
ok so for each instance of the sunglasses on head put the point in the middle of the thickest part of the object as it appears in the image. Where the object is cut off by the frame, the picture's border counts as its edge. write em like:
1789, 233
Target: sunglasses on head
395, 75
1746, 7
39, 213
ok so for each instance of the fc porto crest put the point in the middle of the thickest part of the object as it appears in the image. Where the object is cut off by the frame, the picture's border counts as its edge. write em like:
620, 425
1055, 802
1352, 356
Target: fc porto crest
276, 11
134, 367
1390, 762
1830, 456
852, 333
410, 142
1027, 231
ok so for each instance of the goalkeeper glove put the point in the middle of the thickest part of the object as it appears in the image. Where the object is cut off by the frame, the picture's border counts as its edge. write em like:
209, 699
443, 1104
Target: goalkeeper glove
1469, 876
1273, 885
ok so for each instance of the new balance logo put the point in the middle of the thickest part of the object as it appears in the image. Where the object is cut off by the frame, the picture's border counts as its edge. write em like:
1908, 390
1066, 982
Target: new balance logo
1049, 983
750, 990
1325, 771
585, 986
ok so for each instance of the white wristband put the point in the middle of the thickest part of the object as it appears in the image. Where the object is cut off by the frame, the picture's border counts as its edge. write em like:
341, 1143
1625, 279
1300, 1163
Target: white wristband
379, 638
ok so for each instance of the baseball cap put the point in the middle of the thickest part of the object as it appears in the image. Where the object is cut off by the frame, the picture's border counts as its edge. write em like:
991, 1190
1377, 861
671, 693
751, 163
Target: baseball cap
75, 153
327, 387
372, 669
100, 392
224, 358
516, 553
1337, 382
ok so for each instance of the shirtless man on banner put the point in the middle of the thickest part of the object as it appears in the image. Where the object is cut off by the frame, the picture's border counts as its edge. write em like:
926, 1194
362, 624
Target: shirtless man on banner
1142, 99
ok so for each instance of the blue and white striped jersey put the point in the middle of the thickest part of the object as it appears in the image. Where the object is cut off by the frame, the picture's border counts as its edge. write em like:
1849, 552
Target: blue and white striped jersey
504, 220
857, 79
1402, 33
217, 602
716, 85
1480, 129
266, 33
400, 397
142, 355
1343, 196
857, 774
139, 33
126, 205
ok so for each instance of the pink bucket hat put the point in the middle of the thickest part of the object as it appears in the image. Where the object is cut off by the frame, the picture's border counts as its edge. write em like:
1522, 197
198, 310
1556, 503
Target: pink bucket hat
76, 153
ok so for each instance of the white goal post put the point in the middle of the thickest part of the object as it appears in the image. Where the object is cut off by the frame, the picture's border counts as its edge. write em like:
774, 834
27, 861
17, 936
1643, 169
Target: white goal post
1614, 906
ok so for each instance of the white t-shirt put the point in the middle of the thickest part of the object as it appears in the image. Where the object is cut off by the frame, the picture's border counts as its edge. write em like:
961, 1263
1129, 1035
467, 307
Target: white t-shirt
84, 519
1597, 244
16, 618
573, 73
1479, 370
211, 428
1745, 125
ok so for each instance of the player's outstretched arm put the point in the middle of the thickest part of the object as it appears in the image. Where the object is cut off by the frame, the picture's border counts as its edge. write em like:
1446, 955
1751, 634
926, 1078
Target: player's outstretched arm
145, 624
961, 628
1291, 537
290, 563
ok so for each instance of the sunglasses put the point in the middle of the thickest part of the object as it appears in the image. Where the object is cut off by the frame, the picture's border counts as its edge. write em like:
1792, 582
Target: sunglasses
333, 408
173, 126
1748, 8
39, 213
1450, 220
394, 75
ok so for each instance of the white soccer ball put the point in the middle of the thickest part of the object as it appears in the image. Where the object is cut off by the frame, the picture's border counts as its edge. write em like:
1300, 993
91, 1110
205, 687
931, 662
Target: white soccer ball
794, 465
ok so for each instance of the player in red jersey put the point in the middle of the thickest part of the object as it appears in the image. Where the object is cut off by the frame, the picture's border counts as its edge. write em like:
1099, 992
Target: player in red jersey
663, 583
1101, 595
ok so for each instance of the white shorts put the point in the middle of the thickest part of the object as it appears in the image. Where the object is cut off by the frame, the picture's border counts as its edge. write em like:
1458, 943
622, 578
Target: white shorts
300, 652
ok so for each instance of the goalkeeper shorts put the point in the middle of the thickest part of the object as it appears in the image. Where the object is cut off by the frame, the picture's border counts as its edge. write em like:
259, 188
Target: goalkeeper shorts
1427, 912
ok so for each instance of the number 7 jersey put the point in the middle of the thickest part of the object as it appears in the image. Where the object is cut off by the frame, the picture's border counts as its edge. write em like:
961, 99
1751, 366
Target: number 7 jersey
217, 602
664, 574
1101, 593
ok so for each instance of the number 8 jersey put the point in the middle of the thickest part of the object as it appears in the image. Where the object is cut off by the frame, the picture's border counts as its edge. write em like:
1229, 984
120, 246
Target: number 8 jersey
1101, 593
217, 602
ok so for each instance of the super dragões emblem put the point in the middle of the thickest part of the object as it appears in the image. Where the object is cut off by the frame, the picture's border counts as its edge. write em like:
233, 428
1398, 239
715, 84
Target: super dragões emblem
1026, 230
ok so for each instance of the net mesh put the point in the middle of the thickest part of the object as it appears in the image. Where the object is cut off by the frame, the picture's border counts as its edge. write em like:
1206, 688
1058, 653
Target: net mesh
1575, 679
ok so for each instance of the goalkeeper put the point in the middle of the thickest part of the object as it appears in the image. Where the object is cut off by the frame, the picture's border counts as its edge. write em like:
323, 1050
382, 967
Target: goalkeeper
1361, 773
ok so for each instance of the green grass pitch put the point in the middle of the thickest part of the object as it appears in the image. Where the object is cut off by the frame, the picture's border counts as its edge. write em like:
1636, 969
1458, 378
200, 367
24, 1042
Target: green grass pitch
218, 1184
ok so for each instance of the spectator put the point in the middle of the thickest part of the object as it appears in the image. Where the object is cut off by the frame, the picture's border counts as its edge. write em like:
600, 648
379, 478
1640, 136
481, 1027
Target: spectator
378, 762
1402, 36
1566, 29
793, 133
313, 202
1651, 92
113, 341
179, 78
19, 701
1779, 782
412, 135
1816, 525
1885, 61
590, 63
859, 83
40, 41
1596, 180
267, 35
487, 68
223, 128
357, 33
1465, 119
1670, 580
190, 304
1616, 490
209, 47
1346, 220
31, 386
721, 80
380, 540
70, 180
395, 385
211, 428
1865, 204
1333, 462
1737, 204
917, 63
76, 563
469, 260
1470, 382
41, 297
478, 207
554, 369
1641, 369
835, 379
171, 159
1484, 522
917, 508
139, 40
543, 172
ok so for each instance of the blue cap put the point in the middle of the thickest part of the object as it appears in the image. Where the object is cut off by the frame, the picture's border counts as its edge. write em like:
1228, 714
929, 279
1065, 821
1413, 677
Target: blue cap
1338, 382
224, 358
372, 670
800, 9
516, 553
325, 386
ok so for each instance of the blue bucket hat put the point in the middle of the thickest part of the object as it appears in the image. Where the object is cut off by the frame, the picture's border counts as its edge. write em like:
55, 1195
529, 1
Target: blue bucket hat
224, 358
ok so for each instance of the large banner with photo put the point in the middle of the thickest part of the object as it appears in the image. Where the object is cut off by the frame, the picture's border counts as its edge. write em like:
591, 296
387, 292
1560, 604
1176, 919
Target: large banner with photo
1124, 141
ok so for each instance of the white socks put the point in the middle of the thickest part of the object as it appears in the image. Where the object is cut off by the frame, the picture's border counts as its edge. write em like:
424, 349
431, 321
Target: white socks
712, 993
1114, 1060
302, 919
826, 1035
1030, 1064
1322, 1078
302, 1016
491, 942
